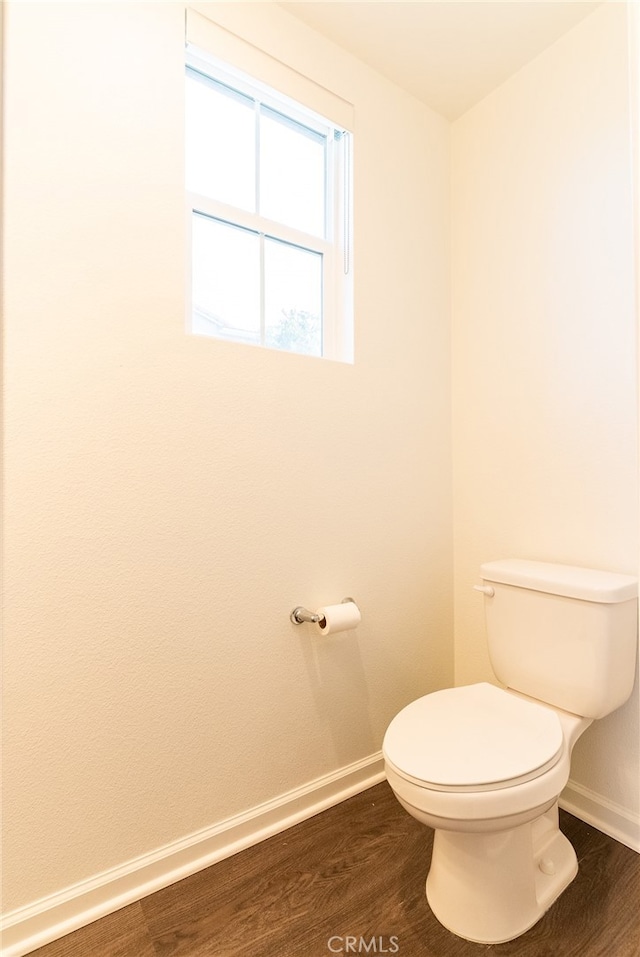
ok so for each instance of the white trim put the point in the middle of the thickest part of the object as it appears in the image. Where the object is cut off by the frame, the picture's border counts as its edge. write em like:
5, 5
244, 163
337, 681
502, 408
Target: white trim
618, 822
52, 917
239, 53
211, 67
255, 223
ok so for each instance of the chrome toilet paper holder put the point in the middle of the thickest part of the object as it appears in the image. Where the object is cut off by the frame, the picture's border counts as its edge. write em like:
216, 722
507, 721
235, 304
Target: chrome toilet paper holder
299, 614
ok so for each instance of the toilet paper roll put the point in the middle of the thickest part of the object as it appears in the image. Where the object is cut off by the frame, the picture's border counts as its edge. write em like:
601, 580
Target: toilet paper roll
335, 618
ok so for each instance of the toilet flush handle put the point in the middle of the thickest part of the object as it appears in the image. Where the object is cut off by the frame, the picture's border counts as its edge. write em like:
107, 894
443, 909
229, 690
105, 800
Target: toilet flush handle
486, 590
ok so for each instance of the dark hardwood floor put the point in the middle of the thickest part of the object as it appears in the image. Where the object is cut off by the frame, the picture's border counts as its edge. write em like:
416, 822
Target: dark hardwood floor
358, 870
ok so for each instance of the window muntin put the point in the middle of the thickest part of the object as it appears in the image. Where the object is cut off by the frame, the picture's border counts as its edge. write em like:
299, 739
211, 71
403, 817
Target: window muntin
273, 173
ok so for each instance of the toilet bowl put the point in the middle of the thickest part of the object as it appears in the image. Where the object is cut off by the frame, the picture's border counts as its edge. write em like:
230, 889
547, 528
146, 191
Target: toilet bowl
485, 765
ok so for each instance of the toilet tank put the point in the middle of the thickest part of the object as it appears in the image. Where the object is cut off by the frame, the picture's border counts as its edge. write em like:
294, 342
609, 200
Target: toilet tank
564, 635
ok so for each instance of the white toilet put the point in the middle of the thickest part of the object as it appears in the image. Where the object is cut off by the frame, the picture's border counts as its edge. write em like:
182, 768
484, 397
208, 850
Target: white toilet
484, 766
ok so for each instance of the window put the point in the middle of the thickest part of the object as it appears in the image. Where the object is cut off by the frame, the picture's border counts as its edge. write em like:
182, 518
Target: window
269, 197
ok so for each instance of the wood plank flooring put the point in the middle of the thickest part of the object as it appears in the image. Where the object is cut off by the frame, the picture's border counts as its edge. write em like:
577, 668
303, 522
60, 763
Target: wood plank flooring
358, 870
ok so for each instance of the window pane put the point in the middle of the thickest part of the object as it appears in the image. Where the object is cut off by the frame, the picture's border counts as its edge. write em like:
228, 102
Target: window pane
293, 298
220, 142
292, 173
225, 280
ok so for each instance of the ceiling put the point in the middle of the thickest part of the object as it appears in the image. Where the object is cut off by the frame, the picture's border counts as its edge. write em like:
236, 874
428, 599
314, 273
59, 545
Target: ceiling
449, 54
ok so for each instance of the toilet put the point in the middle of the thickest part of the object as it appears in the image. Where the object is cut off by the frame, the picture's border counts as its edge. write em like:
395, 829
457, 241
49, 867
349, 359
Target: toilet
484, 765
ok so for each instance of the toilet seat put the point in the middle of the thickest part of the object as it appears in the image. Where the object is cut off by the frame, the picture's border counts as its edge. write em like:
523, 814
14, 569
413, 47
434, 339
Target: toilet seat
473, 738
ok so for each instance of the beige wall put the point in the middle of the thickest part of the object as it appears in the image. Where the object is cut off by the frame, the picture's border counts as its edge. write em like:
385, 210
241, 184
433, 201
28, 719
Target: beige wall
544, 345
170, 499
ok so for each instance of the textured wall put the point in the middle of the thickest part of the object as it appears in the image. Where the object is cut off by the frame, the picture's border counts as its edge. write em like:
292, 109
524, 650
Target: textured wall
544, 344
169, 499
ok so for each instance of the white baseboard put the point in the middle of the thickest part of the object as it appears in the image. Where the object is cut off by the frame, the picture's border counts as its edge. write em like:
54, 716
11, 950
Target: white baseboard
37, 924
46, 920
607, 816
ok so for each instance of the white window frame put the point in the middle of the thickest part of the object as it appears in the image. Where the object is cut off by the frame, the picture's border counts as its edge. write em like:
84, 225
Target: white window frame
336, 245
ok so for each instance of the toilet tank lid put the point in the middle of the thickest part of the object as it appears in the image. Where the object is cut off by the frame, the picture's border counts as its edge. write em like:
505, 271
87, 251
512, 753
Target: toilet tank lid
570, 581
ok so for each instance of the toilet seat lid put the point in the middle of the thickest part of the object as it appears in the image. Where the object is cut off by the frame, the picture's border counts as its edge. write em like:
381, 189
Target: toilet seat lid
477, 737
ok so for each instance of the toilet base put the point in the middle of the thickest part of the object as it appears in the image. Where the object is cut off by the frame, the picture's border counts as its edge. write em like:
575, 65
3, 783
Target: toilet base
491, 887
